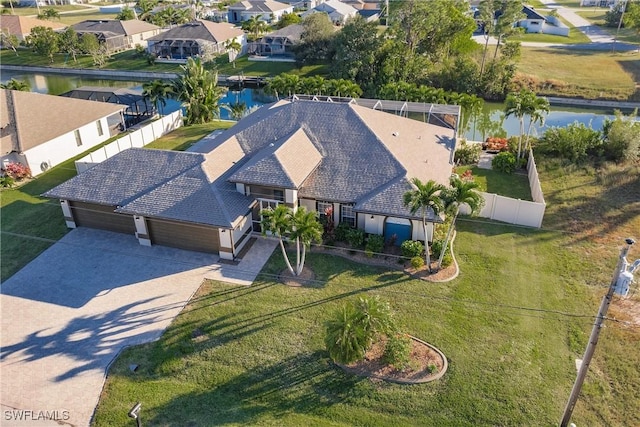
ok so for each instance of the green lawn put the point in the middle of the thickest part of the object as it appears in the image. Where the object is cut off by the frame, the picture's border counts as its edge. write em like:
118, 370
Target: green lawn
27, 11
84, 15
264, 69
575, 36
27, 218
515, 186
255, 355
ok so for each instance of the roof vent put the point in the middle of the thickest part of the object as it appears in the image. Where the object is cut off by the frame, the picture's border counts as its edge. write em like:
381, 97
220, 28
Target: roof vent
395, 134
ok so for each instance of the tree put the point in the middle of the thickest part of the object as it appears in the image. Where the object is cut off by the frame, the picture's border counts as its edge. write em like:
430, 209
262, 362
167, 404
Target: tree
424, 197
255, 26
70, 43
49, 14
44, 41
622, 138
509, 13
146, 7
9, 41
14, 84
126, 14
157, 91
461, 192
538, 109
234, 48
289, 19
316, 40
236, 109
301, 226
197, 89
522, 104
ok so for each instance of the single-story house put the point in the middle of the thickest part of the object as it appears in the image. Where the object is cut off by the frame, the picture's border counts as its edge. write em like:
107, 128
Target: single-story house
21, 26
195, 39
44, 130
267, 10
280, 42
118, 35
355, 159
338, 11
303, 4
535, 22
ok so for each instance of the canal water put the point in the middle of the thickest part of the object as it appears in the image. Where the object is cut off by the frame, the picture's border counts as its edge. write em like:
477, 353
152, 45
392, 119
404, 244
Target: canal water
253, 98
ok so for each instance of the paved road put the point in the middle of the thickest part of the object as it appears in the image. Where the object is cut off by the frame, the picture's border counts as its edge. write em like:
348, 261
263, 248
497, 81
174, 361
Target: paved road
67, 315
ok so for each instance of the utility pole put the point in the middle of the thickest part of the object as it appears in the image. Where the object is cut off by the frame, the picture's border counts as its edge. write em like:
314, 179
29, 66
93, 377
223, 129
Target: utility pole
623, 5
595, 332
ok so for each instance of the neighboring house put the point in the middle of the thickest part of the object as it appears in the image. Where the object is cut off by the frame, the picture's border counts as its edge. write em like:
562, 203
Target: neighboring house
21, 26
338, 11
280, 42
354, 159
302, 4
44, 130
138, 108
118, 35
599, 3
535, 22
267, 10
197, 38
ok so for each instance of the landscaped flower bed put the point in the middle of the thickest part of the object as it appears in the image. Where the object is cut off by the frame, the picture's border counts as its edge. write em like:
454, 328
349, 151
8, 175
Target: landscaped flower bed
495, 145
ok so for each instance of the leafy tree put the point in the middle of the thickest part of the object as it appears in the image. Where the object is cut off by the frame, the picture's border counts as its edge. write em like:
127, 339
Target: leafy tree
622, 138
289, 19
234, 48
255, 26
316, 40
172, 16
49, 14
126, 14
70, 43
424, 197
44, 41
145, 8
357, 57
353, 328
510, 14
300, 226
489, 127
574, 142
157, 91
632, 16
197, 89
460, 192
14, 84
9, 41
99, 52
614, 15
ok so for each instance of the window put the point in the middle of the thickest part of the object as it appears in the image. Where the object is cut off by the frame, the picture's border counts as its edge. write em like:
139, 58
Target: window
347, 215
278, 195
99, 126
322, 207
76, 133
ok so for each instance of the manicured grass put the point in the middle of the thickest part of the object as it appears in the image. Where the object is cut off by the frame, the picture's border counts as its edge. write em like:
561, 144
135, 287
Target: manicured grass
75, 17
264, 69
28, 11
515, 185
575, 36
597, 17
31, 218
255, 355
577, 73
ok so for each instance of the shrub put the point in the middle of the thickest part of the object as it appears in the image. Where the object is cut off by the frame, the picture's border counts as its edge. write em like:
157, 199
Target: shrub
375, 243
432, 368
417, 262
436, 247
355, 237
397, 351
467, 154
341, 231
7, 181
17, 171
496, 144
504, 162
354, 326
411, 248
574, 142
621, 138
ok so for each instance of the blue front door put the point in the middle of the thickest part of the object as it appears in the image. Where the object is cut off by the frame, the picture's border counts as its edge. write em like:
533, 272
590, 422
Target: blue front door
401, 232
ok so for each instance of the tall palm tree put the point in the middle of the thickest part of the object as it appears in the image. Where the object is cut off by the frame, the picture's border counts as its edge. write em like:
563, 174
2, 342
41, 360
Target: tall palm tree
424, 197
306, 230
234, 48
460, 192
278, 222
538, 109
197, 89
522, 104
255, 26
236, 109
157, 91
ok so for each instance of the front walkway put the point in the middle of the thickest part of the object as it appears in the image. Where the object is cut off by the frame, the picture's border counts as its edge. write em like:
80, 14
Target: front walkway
69, 313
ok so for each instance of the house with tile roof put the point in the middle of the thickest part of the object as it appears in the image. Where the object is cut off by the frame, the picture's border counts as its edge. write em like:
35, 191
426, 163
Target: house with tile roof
21, 26
266, 10
338, 11
40, 131
118, 35
195, 38
280, 42
354, 159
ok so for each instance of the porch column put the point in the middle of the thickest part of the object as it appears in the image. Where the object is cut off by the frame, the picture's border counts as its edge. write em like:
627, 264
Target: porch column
68, 215
142, 233
226, 245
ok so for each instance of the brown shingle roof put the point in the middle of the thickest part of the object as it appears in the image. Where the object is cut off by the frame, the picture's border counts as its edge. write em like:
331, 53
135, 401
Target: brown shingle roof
39, 118
115, 26
200, 30
21, 26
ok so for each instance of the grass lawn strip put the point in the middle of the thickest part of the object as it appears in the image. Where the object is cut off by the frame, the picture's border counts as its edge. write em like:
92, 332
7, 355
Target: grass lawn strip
515, 186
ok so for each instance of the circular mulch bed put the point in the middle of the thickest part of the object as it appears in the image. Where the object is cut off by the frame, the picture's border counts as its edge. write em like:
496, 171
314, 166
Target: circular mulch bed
306, 279
423, 357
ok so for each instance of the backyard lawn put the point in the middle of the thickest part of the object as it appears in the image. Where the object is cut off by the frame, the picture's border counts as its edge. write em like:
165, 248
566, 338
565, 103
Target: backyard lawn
515, 186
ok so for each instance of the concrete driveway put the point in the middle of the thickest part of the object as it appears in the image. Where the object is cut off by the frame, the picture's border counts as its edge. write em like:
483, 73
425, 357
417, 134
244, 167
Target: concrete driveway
67, 315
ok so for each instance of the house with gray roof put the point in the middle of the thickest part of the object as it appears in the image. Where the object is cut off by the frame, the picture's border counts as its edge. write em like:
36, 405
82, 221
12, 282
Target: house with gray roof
277, 43
41, 131
353, 159
196, 38
338, 11
266, 10
118, 35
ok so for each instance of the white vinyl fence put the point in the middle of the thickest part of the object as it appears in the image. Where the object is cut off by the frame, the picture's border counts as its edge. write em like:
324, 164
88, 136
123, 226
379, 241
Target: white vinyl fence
138, 138
515, 211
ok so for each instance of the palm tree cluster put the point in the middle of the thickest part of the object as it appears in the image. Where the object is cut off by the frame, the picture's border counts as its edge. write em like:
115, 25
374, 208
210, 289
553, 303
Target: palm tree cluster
300, 226
437, 198
289, 84
255, 26
199, 92
526, 103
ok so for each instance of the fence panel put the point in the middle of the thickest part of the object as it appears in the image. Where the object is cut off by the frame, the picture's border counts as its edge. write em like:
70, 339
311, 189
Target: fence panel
137, 139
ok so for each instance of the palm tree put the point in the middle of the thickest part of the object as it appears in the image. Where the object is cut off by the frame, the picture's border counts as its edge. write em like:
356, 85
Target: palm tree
236, 109
538, 109
198, 91
278, 222
460, 192
255, 26
234, 49
157, 91
425, 196
525, 103
14, 84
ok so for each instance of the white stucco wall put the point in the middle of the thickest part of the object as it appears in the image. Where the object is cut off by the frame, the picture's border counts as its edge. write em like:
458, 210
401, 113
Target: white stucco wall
374, 224
64, 147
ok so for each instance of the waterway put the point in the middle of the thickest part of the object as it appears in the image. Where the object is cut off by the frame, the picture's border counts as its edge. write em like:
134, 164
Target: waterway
56, 84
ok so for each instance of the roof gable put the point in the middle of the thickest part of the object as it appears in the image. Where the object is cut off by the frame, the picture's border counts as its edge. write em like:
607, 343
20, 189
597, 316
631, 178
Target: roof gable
22, 25
200, 30
114, 26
